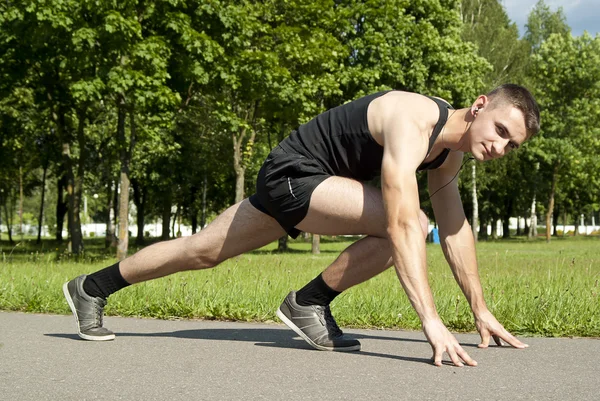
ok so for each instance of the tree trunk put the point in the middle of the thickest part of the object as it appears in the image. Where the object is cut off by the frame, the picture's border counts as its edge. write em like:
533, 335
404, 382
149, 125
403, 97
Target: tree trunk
203, 217
555, 217
194, 221
9, 217
508, 211
73, 184
494, 228
124, 180
123, 236
110, 230
76, 235
41, 215
114, 240
475, 204
282, 245
483, 229
176, 233
73, 244
173, 232
58, 115
166, 216
1, 207
533, 224
238, 167
21, 202
240, 177
519, 226
505, 227
550, 210
238, 156
61, 206
139, 199
70, 198
316, 244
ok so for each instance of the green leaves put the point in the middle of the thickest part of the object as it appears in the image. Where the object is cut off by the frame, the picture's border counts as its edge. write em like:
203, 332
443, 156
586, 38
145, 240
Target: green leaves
210, 80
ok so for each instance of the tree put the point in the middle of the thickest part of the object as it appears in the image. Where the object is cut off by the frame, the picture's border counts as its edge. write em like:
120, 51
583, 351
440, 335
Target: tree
542, 23
569, 70
486, 24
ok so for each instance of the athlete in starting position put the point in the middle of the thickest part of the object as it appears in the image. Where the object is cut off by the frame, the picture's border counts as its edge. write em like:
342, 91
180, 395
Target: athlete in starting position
313, 181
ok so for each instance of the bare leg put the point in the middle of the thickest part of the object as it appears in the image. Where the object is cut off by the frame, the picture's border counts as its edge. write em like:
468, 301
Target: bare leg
339, 206
358, 209
239, 229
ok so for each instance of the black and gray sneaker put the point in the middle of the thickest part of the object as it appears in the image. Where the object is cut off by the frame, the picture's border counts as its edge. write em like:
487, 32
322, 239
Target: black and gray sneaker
316, 325
88, 311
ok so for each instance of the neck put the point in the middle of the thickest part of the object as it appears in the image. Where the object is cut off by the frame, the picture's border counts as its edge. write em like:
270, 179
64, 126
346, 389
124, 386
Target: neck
454, 135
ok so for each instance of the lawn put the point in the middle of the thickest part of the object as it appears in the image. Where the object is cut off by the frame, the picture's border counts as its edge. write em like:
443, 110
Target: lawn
533, 288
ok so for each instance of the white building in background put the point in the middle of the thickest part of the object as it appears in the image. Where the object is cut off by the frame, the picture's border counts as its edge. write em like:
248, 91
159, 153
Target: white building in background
155, 229
99, 230
512, 224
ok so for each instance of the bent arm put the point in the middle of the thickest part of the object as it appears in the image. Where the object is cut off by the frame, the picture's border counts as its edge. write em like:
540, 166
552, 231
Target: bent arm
405, 147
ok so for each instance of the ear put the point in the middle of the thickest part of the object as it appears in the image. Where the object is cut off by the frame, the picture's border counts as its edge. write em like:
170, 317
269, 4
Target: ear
479, 104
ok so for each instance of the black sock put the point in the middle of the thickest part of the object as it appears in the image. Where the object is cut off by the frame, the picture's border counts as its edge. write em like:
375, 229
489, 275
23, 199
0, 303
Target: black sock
104, 282
317, 292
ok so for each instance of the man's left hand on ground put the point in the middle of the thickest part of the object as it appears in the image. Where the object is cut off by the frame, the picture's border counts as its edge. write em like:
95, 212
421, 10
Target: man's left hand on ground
488, 326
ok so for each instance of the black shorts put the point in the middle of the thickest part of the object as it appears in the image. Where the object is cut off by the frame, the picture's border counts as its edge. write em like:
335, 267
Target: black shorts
284, 186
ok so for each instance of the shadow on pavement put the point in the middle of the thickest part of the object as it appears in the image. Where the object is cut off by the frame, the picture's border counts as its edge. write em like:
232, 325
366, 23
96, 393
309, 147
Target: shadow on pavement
275, 338
251, 335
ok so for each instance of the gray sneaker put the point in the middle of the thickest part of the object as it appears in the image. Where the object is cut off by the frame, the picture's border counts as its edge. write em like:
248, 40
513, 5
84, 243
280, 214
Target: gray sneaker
88, 311
316, 325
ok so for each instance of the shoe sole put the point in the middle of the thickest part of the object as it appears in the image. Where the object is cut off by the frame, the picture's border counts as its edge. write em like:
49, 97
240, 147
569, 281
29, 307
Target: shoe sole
79, 333
292, 326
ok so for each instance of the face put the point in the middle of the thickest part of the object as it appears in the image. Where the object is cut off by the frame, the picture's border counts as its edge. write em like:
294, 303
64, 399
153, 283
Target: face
495, 131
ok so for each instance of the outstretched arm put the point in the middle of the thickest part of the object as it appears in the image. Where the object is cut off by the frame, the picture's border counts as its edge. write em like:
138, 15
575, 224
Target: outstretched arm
404, 149
458, 245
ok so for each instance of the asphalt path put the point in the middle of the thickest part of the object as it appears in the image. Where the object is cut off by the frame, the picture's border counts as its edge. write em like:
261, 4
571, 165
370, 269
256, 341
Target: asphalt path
42, 359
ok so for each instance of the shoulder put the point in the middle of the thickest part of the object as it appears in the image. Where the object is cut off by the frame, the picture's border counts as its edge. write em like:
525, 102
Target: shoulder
443, 100
398, 108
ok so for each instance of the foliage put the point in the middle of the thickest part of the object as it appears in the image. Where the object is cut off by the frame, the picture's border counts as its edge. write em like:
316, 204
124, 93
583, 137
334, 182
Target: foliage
191, 96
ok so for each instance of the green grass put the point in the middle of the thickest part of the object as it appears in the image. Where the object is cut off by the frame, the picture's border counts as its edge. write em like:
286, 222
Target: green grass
533, 288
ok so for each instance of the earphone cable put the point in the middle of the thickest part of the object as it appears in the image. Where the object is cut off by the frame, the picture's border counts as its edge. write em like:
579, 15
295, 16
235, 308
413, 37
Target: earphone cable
453, 178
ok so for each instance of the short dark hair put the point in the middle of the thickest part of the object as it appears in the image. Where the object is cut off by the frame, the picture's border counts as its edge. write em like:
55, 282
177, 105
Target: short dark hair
519, 97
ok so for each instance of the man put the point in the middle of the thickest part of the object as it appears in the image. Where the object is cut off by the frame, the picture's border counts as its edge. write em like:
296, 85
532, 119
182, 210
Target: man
313, 181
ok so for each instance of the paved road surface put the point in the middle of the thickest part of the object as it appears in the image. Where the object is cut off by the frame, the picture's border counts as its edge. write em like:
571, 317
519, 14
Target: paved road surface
42, 359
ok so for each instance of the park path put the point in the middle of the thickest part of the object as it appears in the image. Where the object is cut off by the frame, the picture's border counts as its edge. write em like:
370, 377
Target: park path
42, 359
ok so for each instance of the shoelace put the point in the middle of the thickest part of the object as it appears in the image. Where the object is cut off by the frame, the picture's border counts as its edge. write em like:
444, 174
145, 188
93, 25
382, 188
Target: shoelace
99, 309
330, 322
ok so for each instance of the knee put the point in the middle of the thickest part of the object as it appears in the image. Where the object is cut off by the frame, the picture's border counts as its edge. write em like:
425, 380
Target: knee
424, 223
206, 261
201, 257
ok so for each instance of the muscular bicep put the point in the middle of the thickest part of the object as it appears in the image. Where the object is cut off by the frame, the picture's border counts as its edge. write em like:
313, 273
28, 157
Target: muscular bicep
446, 201
404, 149
404, 146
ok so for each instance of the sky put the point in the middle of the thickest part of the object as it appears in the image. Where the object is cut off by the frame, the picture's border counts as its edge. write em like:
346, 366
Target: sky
582, 15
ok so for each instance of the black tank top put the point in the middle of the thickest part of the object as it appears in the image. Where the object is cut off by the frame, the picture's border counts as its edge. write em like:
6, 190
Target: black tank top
340, 141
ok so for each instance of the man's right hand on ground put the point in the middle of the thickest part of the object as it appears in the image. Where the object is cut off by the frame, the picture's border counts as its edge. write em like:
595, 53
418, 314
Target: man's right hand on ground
488, 326
441, 340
